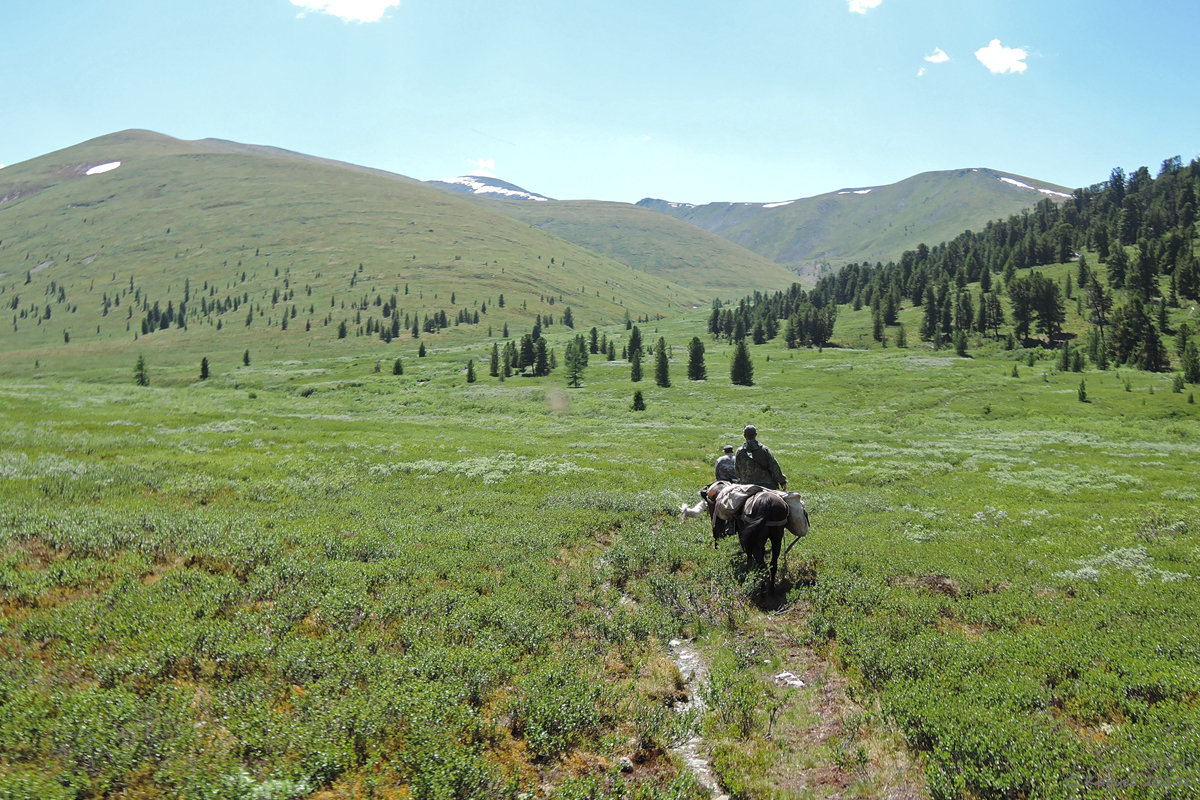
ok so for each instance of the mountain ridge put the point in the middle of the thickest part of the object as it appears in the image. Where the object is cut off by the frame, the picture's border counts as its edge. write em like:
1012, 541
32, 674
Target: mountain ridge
844, 225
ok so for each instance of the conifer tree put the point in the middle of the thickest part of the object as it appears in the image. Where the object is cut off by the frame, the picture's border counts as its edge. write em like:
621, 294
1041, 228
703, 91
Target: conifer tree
494, 366
639, 403
661, 368
1191, 363
140, 376
635, 365
696, 368
470, 370
397, 367
204, 368
575, 361
741, 369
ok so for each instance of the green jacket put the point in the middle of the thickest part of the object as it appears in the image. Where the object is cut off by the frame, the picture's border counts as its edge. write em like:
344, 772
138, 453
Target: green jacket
755, 464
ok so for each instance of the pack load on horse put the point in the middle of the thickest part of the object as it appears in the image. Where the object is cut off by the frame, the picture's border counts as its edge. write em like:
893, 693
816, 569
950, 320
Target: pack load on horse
758, 515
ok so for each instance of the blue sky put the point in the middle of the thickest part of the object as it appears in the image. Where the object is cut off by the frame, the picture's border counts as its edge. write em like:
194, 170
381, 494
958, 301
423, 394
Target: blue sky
687, 101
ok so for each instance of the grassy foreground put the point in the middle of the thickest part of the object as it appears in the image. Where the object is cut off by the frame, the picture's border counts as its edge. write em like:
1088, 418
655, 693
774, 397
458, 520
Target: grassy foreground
335, 582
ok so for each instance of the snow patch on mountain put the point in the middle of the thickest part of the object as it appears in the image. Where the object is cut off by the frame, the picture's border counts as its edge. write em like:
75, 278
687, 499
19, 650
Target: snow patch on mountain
779, 205
100, 168
855, 191
1023, 185
477, 186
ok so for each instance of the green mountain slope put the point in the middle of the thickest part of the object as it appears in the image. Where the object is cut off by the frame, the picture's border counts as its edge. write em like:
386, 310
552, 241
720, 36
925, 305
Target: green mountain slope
869, 223
260, 234
652, 243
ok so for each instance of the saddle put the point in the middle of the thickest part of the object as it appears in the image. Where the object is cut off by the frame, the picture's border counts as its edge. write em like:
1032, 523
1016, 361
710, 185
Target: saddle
732, 499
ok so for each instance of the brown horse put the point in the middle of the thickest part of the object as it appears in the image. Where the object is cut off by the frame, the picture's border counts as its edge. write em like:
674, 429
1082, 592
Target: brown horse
762, 517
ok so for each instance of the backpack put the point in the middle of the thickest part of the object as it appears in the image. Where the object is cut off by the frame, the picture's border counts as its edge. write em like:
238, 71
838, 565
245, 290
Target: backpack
733, 497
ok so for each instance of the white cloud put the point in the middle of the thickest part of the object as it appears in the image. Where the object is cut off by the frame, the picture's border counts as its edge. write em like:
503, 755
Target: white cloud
348, 10
484, 167
921, 72
856, 6
938, 57
1000, 59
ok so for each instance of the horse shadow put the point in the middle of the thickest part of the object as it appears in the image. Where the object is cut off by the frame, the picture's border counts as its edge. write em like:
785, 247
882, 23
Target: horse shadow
757, 580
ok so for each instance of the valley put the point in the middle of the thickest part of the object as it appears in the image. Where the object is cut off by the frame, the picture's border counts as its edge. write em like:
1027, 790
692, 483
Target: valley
322, 551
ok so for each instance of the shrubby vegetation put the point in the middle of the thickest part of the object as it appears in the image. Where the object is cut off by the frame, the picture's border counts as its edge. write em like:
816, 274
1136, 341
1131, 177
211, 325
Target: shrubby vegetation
304, 577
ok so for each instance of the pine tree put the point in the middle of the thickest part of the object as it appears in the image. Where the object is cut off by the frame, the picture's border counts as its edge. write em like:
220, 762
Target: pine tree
541, 358
421, 351
140, 376
397, 367
741, 369
204, 368
470, 370
661, 368
575, 361
494, 365
635, 365
246, 358
639, 404
696, 369
1191, 363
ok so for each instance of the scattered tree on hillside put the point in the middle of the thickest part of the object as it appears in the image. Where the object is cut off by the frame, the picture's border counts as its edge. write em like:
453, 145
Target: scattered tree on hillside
741, 369
661, 368
696, 370
140, 375
635, 365
575, 361
1191, 363
204, 368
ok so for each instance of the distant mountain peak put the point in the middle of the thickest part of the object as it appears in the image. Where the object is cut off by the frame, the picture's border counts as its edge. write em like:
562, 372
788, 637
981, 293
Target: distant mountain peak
486, 185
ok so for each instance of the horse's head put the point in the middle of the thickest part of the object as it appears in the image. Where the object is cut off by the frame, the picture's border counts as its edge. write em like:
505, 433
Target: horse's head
709, 494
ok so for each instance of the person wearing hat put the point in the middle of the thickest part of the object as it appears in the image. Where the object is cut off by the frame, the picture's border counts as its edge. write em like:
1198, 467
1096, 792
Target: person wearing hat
726, 469
755, 464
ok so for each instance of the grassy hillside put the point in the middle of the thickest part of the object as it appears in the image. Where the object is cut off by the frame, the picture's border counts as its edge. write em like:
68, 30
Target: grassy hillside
327, 583
652, 243
83, 258
868, 224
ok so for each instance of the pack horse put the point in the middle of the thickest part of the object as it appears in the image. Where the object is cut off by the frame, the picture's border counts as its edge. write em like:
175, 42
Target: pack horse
758, 515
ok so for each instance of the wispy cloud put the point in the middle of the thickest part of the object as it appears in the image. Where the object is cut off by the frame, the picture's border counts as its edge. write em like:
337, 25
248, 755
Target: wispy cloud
938, 56
348, 10
1000, 59
857, 6
484, 167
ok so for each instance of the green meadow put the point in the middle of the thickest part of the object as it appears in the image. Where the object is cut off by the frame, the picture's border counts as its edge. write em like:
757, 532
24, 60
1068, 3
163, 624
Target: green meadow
308, 577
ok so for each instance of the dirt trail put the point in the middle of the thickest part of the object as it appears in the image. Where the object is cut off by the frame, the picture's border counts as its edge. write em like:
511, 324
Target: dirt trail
832, 747
694, 670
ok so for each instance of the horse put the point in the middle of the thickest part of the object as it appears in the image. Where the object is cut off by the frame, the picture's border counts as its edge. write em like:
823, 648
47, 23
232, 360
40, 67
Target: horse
762, 517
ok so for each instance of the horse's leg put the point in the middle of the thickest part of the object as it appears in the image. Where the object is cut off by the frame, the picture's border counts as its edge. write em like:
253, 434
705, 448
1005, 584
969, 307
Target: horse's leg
753, 538
776, 543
